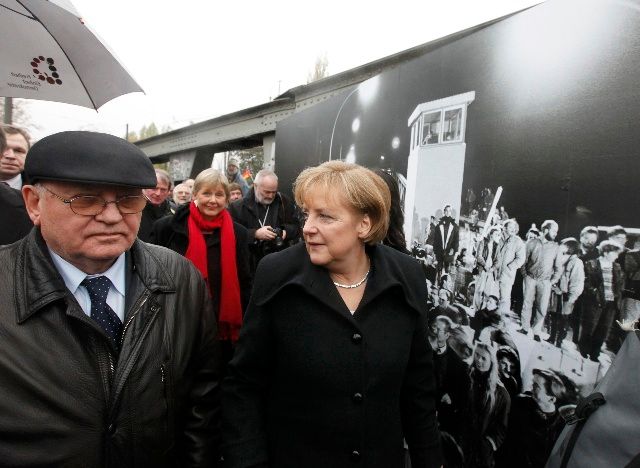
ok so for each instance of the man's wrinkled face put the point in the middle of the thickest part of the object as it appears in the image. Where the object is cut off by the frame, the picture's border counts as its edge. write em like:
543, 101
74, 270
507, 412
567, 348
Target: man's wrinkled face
91, 243
13, 156
266, 190
232, 169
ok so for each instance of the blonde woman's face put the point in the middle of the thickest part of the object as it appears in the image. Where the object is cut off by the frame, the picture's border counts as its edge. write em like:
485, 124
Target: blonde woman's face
482, 360
211, 201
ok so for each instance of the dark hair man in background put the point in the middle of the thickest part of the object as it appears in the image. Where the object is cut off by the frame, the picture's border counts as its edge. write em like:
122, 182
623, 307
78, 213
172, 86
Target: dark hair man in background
14, 219
13, 155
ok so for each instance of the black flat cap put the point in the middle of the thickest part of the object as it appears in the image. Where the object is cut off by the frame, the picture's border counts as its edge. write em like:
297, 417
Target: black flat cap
89, 158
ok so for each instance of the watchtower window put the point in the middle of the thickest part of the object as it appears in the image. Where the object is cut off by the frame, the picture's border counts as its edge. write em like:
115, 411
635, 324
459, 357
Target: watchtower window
452, 128
431, 128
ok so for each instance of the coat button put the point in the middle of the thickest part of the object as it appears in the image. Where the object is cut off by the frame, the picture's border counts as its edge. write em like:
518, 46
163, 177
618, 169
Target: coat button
111, 429
357, 397
357, 338
355, 456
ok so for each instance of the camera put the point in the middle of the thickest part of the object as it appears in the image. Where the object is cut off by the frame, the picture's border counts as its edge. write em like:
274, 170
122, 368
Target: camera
278, 242
418, 250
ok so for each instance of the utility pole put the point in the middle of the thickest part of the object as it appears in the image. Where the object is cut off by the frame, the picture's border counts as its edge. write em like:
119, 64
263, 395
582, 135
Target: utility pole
8, 110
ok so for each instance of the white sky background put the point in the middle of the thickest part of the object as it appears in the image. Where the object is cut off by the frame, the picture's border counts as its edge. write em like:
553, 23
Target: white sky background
199, 59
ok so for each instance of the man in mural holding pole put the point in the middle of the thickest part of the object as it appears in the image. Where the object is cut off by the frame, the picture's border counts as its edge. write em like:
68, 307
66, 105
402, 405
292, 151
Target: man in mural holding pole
541, 269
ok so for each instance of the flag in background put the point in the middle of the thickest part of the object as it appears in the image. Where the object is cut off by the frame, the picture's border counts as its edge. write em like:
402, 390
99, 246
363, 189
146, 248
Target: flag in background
247, 176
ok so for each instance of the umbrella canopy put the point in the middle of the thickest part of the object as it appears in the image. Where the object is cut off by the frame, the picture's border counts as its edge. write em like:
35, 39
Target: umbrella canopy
48, 53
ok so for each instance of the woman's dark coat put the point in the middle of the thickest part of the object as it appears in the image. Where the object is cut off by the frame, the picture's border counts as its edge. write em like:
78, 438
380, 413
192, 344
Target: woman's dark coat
172, 232
312, 386
483, 428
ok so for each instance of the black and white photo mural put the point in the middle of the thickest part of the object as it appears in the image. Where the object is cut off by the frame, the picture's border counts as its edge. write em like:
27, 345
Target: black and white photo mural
516, 147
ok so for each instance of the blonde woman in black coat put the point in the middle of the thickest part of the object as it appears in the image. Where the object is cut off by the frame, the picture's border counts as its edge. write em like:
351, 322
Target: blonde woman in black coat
333, 366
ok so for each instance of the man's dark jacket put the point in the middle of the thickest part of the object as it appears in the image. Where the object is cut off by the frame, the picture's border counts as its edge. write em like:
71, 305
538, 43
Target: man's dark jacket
313, 386
67, 398
245, 212
150, 215
14, 220
446, 239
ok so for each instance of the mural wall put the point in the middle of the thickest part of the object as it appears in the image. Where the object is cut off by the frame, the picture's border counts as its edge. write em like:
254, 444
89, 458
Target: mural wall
546, 105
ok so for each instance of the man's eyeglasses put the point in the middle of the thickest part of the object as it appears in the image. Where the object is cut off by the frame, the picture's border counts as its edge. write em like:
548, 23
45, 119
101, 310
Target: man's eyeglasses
92, 205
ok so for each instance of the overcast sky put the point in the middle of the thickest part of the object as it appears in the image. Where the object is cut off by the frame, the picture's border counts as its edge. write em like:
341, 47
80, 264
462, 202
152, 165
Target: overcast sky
201, 59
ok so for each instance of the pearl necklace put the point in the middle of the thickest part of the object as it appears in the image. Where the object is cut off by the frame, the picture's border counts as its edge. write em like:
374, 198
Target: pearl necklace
355, 285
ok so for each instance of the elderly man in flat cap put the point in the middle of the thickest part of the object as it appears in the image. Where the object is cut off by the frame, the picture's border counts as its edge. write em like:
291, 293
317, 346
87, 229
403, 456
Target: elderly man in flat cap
108, 352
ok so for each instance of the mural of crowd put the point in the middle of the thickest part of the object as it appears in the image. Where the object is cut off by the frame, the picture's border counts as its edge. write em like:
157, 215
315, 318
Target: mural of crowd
521, 327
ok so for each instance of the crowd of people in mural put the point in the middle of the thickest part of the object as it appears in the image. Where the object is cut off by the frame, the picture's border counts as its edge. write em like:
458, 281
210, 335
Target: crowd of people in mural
265, 331
574, 295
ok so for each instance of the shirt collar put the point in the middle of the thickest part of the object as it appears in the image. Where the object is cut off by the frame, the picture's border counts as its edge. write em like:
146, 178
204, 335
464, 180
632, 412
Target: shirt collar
15, 182
73, 276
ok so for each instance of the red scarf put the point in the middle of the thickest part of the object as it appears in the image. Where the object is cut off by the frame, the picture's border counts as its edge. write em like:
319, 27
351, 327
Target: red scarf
230, 310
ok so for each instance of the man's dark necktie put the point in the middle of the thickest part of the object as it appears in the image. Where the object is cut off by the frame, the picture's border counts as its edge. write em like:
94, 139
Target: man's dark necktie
105, 317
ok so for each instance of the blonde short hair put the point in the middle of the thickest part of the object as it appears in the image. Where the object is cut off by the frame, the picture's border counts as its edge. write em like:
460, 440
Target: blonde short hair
361, 188
211, 178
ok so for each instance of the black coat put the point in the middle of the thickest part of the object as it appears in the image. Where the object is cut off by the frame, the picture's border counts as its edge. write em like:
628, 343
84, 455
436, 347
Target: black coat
531, 436
482, 427
452, 378
312, 386
14, 219
245, 212
150, 215
172, 232
445, 241
67, 399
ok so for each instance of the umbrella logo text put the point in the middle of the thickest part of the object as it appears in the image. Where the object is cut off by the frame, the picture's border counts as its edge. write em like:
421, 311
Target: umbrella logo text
39, 64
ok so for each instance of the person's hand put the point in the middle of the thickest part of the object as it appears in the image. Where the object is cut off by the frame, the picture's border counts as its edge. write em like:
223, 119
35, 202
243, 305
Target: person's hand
284, 234
265, 233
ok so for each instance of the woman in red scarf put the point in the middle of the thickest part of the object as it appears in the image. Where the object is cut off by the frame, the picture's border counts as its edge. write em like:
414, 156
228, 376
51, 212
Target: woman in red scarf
204, 232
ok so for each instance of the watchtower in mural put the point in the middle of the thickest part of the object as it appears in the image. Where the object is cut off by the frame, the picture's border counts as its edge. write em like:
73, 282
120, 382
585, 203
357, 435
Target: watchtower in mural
436, 161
